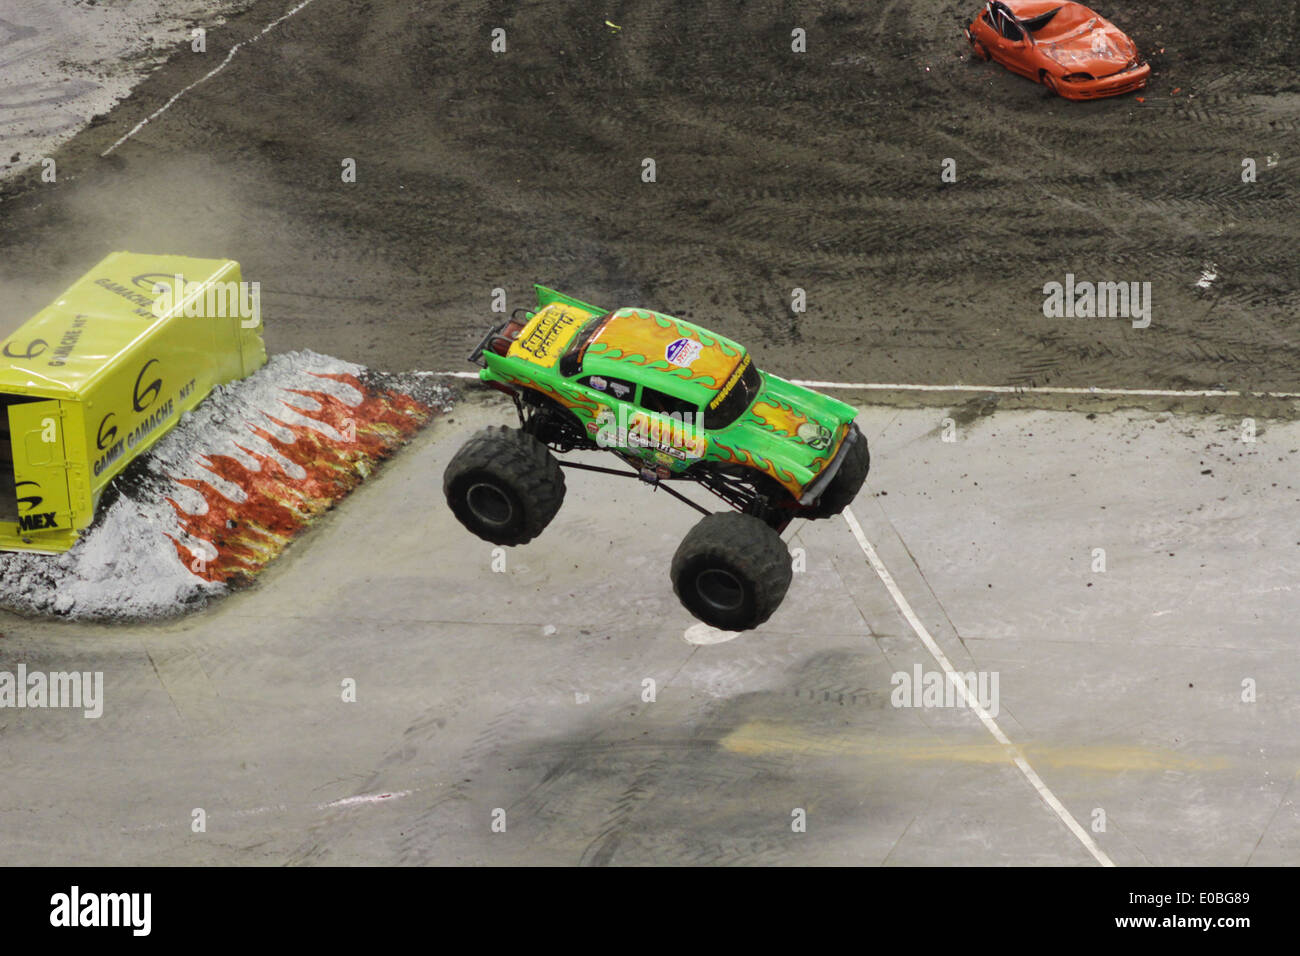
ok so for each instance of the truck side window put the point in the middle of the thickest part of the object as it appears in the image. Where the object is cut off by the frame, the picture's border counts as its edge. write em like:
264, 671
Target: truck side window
615, 387
656, 401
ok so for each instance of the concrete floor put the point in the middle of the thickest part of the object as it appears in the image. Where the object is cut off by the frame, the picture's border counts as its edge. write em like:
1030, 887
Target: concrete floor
522, 690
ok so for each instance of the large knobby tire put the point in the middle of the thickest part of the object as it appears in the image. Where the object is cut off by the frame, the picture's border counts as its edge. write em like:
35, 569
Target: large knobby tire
846, 484
731, 571
504, 485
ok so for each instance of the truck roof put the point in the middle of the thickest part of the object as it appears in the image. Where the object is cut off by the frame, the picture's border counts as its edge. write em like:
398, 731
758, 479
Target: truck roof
670, 354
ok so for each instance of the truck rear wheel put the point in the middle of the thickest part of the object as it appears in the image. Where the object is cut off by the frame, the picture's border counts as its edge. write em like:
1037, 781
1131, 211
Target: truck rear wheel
731, 571
504, 485
846, 484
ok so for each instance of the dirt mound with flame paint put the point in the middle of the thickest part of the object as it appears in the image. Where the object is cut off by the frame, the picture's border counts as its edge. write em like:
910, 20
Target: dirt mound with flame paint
227, 489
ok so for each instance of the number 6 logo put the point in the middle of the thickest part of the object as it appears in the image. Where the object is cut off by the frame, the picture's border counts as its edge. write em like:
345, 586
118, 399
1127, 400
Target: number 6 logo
142, 400
36, 347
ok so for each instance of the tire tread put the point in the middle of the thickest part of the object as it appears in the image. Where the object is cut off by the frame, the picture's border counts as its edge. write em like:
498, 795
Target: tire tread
524, 462
747, 544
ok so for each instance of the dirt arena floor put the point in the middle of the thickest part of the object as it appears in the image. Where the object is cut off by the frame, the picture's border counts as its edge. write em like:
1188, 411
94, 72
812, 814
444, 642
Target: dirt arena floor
775, 170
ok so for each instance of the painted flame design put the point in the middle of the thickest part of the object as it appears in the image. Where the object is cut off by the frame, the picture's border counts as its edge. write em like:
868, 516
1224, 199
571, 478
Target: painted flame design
571, 399
778, 417
639, 338
759, 463
242, 537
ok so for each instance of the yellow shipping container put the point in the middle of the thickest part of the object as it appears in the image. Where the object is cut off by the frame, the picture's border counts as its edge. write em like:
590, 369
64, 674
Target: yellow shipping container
95, 379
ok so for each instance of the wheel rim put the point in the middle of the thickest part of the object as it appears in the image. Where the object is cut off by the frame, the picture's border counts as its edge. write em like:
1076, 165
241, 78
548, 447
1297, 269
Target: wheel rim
720, 589
489, 504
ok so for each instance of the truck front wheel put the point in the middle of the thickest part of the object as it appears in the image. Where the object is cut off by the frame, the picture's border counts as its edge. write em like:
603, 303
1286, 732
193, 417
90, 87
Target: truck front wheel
731, 571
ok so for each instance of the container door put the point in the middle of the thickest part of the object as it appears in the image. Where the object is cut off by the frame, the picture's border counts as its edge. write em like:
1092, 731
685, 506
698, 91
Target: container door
40, 468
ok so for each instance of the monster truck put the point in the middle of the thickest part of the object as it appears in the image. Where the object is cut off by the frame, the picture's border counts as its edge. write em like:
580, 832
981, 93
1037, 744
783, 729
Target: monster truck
676, 403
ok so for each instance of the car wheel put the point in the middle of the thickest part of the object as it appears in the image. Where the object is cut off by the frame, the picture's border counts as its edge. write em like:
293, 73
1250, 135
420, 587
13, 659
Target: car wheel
503, 485
976, 47
1050, 83
731, 571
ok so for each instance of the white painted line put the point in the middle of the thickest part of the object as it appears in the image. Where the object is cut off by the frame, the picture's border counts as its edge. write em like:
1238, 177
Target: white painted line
1010, 389
1045, 390
702, 633
207, 76
365, 798
959, 684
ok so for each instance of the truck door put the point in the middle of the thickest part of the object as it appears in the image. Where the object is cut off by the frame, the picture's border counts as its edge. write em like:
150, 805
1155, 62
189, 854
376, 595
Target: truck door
40, 467
674, 428
614, 409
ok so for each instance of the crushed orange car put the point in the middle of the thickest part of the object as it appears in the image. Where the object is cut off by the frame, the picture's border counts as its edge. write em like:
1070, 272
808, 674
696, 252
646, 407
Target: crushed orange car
1071, 50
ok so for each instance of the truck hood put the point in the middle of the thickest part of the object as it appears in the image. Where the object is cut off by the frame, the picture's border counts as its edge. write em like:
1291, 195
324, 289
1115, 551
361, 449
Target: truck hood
788, 431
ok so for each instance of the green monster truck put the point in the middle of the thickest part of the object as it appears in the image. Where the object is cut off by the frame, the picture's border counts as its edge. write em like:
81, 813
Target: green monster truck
676, 403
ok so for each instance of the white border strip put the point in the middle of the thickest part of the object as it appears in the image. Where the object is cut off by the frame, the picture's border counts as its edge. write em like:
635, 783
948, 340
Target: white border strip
1011, 389
1016, 754
207, 76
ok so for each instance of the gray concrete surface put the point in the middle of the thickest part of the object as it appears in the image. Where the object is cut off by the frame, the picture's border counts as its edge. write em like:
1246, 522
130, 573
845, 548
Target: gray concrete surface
522, 689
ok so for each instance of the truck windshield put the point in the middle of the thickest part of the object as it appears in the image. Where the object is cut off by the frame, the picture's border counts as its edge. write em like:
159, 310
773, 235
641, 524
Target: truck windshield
735, 396
571, 360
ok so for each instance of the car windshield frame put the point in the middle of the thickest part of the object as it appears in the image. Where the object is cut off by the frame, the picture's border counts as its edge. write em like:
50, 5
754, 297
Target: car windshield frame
571, 360
736, 396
